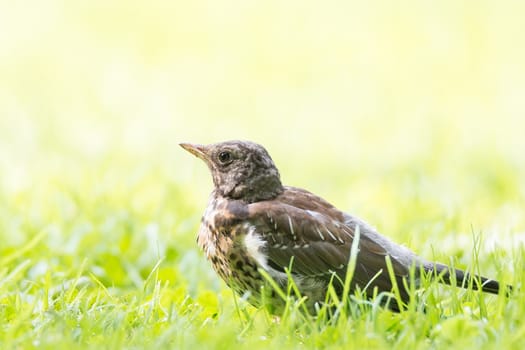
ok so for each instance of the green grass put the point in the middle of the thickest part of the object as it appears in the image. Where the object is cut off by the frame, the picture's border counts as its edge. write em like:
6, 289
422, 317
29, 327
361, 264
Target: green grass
105, 258
407, 115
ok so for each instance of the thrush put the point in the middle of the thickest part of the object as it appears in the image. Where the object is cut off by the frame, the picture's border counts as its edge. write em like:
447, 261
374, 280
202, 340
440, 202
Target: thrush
255, 226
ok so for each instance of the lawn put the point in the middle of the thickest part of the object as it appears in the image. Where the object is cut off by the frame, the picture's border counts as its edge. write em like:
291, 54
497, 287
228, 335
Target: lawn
407, 115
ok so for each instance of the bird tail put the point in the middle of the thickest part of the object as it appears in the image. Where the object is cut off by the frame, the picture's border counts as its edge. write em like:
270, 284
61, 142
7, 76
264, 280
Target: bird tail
464, 279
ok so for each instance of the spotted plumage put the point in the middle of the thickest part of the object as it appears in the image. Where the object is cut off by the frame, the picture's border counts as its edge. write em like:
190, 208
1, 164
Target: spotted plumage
253, 223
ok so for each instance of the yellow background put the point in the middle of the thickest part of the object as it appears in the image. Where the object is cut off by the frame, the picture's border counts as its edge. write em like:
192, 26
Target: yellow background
376, 105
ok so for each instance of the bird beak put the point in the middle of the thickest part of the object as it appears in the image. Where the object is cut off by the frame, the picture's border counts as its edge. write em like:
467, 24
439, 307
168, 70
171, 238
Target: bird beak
198, 151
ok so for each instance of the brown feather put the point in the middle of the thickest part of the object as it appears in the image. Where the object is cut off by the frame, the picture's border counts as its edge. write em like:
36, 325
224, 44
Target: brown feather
323, 239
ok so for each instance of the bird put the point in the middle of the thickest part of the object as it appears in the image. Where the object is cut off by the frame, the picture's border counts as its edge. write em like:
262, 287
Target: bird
254, 229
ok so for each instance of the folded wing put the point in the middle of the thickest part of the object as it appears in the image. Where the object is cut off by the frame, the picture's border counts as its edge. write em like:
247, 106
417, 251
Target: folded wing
319, 241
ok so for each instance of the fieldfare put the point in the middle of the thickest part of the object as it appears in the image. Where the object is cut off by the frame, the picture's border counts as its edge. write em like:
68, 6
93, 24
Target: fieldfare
253, 223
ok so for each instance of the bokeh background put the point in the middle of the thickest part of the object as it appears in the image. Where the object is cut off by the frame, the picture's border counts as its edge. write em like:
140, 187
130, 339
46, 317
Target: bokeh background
409, 114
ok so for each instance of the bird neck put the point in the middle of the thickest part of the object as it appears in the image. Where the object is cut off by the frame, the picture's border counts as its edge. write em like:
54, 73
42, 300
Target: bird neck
259, 188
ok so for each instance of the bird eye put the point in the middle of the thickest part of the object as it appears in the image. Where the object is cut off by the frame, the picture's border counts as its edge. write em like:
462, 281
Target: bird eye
225, 157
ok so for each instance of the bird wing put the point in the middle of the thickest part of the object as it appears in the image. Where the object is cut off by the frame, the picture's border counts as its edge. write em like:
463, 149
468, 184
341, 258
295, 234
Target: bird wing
319, 241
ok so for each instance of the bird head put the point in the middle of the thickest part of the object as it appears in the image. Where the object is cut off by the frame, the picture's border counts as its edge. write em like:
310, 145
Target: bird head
240, 169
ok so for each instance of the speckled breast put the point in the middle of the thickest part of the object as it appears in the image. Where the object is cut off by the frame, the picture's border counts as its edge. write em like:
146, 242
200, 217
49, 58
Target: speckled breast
222, 237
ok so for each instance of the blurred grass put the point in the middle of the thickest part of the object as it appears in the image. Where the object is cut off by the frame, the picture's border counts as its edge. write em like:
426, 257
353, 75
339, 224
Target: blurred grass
407, 114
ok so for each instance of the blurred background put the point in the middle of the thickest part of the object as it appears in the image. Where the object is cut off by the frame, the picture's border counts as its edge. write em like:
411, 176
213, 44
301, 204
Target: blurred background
409, 114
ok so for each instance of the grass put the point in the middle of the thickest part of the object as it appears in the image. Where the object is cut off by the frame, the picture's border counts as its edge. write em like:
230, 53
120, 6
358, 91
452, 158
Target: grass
106, 263
410, 117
